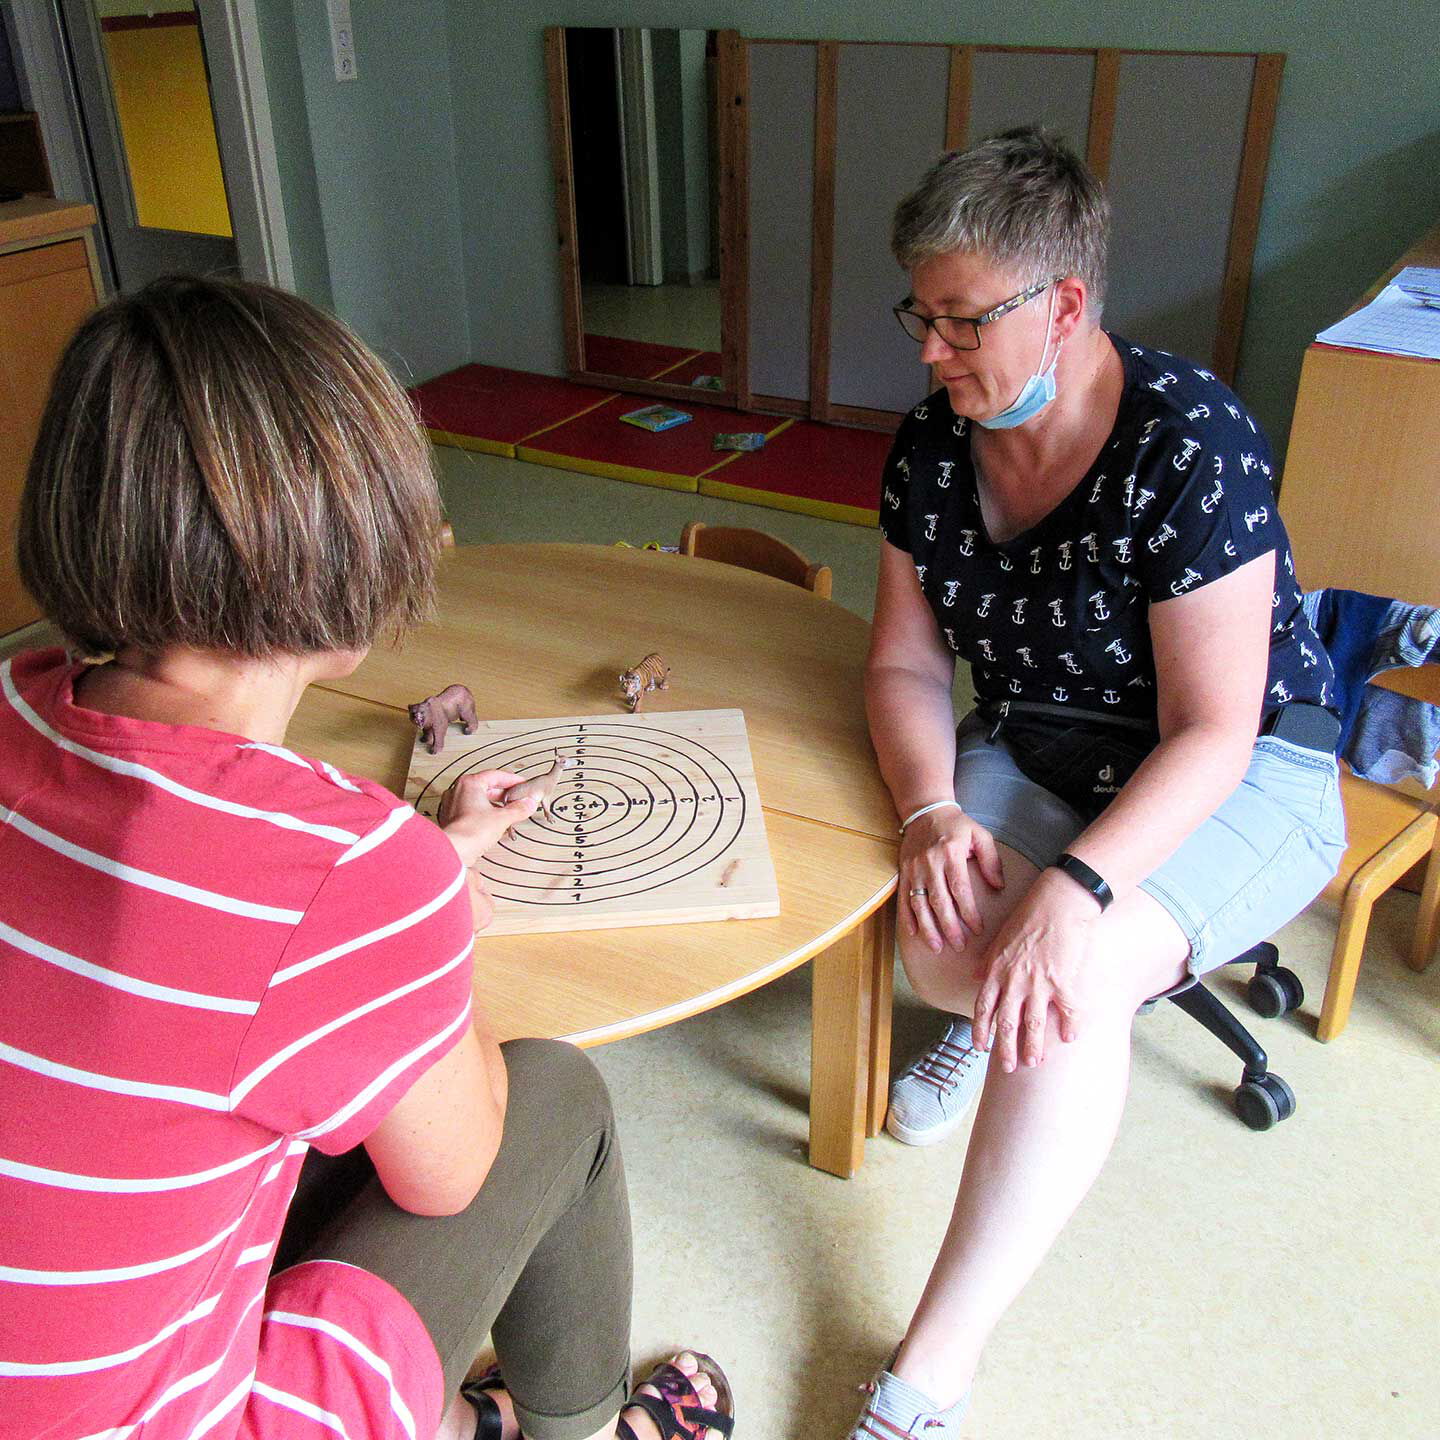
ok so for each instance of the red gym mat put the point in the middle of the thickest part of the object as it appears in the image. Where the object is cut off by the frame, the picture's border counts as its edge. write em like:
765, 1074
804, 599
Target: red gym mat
825, 470
600, 443
486, 408
637, 359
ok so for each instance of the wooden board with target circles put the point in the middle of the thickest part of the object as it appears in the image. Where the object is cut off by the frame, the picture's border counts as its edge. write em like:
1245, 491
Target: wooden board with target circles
658, 822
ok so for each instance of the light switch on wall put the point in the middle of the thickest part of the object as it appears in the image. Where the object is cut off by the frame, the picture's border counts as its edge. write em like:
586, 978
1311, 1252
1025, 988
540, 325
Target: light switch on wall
342, 39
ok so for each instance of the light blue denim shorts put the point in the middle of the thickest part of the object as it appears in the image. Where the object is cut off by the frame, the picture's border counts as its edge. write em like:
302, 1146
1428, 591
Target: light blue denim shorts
1255, 864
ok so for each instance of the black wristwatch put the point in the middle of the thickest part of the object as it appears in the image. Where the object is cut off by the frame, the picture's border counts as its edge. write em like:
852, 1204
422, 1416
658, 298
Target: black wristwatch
1084, 877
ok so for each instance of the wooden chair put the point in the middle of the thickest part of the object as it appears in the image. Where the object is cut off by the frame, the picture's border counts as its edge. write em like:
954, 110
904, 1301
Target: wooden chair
755, 550
1389, 832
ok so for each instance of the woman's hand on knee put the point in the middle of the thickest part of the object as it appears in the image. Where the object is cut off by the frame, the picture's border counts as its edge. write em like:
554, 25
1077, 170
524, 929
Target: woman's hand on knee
1036, 965
937, 891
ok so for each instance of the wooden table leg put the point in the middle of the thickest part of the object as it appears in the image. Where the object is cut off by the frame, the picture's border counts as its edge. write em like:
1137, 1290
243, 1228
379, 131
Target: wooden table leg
881, 928
842, 979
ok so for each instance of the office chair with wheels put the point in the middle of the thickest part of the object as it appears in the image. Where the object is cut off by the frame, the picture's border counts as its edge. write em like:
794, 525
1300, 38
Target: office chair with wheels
1389, 832
1262, 1099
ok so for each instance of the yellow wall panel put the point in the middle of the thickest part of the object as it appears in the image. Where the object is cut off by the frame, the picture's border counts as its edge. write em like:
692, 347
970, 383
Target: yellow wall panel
163, 99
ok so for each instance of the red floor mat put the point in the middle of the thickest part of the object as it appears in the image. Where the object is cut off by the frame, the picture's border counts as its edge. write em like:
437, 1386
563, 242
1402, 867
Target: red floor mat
826, 470
600, 443
484, 407
638, 359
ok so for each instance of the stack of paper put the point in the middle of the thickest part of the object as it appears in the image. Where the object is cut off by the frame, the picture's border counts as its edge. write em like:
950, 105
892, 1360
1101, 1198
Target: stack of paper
1403, 319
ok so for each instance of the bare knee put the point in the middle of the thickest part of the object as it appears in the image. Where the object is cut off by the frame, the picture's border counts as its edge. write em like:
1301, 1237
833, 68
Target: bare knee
949, 978
948, 981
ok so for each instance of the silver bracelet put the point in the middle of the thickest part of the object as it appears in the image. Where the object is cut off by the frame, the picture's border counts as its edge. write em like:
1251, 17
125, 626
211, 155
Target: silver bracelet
926, 809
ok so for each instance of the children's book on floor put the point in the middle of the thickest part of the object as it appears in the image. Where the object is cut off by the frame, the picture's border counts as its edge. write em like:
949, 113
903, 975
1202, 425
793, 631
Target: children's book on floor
657, 417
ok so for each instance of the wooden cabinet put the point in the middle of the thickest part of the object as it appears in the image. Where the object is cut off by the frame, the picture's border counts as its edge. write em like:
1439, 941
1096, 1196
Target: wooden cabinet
1361, 494
48, 284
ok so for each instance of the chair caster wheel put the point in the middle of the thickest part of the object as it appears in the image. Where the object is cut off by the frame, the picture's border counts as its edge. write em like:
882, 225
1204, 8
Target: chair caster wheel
1275, 992
1265, 1102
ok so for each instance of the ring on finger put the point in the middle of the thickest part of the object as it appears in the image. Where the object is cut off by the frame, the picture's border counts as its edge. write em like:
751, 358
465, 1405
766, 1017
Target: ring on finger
921, 891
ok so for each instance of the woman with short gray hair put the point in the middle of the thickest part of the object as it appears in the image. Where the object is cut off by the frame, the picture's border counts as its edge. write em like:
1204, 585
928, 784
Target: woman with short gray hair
1147, 785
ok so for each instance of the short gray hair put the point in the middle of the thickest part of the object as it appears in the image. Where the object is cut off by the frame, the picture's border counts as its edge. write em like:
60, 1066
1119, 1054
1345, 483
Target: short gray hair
1022, 198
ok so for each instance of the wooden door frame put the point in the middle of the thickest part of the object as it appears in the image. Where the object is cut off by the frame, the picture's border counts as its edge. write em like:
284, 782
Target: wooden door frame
242, 122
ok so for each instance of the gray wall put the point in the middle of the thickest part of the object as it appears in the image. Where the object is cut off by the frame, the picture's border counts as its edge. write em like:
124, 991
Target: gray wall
680, 120
373, 208
1354, 173
415, 225
695, 104
670, 152
9, 81
294, 149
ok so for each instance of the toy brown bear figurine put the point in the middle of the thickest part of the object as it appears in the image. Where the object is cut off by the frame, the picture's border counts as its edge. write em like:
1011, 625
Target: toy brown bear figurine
433, 717
652, 673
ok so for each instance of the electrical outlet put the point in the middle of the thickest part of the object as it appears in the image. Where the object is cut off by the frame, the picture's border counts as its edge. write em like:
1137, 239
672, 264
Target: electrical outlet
342, 39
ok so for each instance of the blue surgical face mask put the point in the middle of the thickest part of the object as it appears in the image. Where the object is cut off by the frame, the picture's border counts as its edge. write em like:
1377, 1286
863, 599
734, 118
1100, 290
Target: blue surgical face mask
1036, 393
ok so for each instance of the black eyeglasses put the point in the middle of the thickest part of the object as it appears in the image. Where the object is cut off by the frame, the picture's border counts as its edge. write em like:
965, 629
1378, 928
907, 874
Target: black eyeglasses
961, 332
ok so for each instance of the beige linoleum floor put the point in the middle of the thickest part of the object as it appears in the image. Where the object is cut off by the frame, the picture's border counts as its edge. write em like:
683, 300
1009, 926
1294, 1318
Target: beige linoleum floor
1216, 1285
662, 314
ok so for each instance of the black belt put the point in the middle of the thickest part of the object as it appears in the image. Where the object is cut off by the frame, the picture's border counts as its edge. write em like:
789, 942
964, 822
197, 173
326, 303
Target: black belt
1000, 709
1312, 727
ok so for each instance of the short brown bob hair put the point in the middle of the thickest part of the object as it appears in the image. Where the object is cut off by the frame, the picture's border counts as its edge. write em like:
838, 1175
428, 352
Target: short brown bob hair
222, 466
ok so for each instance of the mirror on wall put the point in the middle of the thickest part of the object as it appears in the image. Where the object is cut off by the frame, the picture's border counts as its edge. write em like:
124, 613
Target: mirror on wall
639, 185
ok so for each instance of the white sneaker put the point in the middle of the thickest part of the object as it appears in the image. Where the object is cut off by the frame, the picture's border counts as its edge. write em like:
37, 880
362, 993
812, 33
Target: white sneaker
898, 1411
931, 1095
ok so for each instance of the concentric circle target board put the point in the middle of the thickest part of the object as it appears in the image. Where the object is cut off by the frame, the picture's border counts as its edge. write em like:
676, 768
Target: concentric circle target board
658, 821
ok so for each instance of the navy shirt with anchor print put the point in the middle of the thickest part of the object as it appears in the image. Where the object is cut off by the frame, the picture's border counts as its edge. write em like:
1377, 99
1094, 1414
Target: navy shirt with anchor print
1179, 496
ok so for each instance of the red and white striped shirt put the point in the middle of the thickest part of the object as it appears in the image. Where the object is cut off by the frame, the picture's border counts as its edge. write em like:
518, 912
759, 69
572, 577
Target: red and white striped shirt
213, 954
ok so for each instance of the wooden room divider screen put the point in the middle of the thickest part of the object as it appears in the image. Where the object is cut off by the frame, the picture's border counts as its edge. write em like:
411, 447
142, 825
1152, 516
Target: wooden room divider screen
832, 133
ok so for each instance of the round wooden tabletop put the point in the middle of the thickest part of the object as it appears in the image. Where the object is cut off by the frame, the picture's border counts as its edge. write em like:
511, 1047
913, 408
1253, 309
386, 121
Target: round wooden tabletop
540, 630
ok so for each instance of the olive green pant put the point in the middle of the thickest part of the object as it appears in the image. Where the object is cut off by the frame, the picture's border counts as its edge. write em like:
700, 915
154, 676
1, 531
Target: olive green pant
540, 1259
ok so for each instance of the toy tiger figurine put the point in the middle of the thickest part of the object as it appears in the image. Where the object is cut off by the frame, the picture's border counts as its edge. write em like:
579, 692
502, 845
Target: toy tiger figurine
652, 673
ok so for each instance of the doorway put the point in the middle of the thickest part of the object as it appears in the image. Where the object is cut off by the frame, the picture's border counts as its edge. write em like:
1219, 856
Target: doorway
598, 155
142, 77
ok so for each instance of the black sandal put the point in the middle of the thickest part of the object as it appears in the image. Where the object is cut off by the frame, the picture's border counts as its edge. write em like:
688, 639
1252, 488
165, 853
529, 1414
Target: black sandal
488, 1425
677, 1411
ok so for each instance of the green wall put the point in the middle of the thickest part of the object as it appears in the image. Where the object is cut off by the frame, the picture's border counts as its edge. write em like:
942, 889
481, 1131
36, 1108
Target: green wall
294, 150
1354, 170
435, 207
371, 198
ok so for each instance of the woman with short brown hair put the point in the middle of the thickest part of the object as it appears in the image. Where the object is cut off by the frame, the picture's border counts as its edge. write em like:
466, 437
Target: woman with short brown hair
224, 964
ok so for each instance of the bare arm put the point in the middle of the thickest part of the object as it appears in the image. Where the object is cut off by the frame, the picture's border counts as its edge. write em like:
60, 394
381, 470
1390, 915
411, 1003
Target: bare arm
433, 1151
1212, 650
908, 678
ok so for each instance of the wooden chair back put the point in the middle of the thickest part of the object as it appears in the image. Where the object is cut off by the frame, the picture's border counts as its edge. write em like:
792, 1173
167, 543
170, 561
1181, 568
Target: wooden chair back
1419, 682
1391, 831
755, 550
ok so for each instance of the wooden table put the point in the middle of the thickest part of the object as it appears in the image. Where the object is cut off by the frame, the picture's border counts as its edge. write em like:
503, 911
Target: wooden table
538, 630
1361, 494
